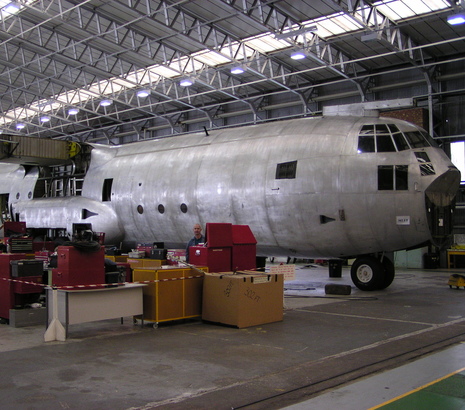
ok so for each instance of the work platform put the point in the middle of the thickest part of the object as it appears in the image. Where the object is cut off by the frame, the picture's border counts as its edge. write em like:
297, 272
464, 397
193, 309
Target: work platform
323, 348
20, 149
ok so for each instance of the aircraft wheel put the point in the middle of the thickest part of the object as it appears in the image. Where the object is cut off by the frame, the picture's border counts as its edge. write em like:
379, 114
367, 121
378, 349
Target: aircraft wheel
389, 273
368, 273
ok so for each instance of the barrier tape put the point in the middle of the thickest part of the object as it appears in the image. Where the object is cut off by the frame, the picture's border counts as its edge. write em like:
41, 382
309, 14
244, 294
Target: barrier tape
99, 285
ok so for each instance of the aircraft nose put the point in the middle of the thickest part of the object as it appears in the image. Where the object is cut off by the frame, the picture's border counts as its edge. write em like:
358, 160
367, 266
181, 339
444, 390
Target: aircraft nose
442, 191
440, 204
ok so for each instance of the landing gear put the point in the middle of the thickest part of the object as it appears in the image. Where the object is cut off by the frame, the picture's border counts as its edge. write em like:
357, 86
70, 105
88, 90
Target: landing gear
371, 273
389, 272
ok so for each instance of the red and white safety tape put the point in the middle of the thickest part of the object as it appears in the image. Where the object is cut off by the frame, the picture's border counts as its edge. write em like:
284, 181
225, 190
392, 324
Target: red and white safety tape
100, 285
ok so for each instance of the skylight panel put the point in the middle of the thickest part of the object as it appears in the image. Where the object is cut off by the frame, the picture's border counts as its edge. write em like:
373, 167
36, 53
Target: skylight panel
211, 58
139, 77
237, 51
336, 24
163, 71
267, 43
74, 97
124, 83
396, 10
402, 9
10, 7
185, 65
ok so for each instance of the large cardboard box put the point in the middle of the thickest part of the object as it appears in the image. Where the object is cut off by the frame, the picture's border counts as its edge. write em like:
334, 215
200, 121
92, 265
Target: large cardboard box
243, 299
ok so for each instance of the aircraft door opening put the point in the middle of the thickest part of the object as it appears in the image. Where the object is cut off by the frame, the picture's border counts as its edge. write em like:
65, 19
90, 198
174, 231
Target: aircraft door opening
440, 221
5, 213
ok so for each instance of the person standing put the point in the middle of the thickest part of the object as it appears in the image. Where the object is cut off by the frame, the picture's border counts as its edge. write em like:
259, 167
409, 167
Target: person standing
197, 239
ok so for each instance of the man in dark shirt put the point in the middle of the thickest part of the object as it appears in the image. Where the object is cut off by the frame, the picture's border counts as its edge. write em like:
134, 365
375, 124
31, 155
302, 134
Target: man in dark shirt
196, 240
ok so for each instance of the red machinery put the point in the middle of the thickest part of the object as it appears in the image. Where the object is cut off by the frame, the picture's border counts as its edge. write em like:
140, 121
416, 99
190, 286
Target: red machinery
228, 247
244, 251
15, 271
79, 267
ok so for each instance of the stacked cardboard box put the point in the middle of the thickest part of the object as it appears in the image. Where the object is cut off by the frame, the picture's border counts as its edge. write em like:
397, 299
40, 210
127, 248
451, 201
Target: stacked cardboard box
243, 299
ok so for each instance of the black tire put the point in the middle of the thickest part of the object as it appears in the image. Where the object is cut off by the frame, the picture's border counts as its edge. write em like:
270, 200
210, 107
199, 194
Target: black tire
368, 273
389, 272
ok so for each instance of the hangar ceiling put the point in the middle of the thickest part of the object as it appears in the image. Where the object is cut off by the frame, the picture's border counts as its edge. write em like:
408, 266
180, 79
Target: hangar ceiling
57, 55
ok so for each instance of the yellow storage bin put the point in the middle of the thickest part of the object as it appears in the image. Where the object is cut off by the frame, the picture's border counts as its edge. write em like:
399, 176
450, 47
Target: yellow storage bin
170, 296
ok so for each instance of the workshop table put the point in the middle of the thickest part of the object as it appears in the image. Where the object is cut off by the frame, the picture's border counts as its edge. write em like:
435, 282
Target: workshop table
452, 255
93, 304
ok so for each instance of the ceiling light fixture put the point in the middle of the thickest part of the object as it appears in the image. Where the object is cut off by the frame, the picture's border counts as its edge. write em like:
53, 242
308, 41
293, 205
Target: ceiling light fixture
143, 93
456, 19
238, 69
298, 55
45, 118
73, 111
20, 126
106, 103
186, 82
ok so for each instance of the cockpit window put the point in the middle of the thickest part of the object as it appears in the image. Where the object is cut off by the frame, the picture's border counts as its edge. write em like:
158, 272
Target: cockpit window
416, 139
384, 143
430, 140
400, 140
388, 138
366, 143
375, 138
426, 167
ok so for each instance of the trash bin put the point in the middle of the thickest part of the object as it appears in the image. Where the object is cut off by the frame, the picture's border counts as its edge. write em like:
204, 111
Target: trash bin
335, 268
431, 261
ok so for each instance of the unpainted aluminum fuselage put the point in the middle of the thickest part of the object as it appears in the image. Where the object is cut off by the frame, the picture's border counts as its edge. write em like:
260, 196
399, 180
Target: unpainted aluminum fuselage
332, 208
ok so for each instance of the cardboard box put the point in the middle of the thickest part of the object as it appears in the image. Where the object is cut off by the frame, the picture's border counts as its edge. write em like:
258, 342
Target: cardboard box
145, 263
244, 299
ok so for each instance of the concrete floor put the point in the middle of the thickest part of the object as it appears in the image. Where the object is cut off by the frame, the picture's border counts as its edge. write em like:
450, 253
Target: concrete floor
324, 343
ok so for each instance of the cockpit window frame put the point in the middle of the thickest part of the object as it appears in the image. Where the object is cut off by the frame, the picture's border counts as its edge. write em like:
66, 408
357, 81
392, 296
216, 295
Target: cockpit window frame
387, 137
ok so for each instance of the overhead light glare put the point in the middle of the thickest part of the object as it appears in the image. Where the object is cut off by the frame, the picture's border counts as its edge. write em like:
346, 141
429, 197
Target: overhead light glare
298, 55
20, 126
456, 19
73, 111
239, 69
143, 93
45, 118
106, 103
186, 82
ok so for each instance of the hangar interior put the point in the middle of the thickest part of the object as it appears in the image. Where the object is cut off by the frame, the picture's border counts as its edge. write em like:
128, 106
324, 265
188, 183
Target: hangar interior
110, 73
